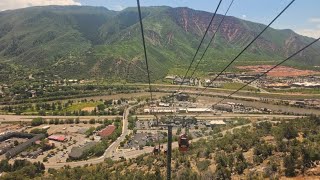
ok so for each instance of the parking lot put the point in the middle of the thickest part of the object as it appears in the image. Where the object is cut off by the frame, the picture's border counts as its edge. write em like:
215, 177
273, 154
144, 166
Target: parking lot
9, 127
74, 135
146, 123
140, 140
147, 132
8, 144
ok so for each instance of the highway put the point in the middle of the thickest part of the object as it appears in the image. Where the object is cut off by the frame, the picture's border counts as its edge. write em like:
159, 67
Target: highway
26, 118
260, 94
226, 116
23, 118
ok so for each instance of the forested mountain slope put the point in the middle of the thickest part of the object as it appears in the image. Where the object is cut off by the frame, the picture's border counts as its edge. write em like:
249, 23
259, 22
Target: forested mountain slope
94, 42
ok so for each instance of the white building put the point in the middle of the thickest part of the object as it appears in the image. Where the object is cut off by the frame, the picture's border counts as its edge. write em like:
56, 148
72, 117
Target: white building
159, 110
217, 122
199, 110
164, 104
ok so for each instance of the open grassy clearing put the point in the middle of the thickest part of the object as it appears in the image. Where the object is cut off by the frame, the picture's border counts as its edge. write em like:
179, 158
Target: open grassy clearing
235, 86
85, 106
298, 90
80, 106
284, 95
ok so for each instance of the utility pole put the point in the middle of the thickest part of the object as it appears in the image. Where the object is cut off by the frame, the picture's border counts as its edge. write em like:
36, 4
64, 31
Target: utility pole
159, 143
158, 133
169, 149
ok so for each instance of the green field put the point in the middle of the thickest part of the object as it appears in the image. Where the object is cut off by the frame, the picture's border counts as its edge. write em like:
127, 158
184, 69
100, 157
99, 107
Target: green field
235, 86
79, 106
74, 107
300, 90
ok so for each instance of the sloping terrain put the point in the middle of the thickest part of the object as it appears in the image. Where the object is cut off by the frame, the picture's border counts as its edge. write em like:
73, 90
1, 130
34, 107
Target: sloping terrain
93, 42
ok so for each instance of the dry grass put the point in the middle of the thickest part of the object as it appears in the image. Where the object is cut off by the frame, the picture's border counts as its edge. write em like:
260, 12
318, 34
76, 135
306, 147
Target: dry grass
89, 109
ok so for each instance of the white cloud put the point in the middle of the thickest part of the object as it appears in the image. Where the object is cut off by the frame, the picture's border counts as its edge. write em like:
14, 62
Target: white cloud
117, 7
314, 20
244, 16
314, 33
16, 4
313, 30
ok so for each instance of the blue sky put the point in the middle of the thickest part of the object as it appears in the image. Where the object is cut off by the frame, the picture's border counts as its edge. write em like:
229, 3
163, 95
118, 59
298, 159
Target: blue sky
303, 16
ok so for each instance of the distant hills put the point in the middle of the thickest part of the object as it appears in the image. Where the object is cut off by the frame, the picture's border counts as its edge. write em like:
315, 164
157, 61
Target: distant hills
94, 42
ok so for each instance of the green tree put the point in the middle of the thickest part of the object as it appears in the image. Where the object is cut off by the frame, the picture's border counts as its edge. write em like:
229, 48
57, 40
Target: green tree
240, 167
37, 121
203, 165
51, 121
38, 131
241, 163
290, 131
101, 107
92, 121
289, 164
221, 159
285, 130
42, 112
158, 174
5, 166
77, 121
90, 131
178, 131
222, 173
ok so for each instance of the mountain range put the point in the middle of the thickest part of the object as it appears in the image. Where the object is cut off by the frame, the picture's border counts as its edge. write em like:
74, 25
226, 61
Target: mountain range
94, 42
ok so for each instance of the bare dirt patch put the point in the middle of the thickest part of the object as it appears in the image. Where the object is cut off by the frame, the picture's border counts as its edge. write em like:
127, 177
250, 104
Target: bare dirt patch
281, 71
89, 109
9, 127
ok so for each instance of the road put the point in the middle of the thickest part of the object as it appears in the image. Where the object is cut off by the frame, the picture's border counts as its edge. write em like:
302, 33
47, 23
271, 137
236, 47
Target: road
19, 118
25, 118
227, 116
125, 131
260, 94
257, 103
253, 84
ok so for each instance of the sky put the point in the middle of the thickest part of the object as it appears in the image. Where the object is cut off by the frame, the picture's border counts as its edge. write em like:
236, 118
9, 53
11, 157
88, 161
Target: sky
303, 16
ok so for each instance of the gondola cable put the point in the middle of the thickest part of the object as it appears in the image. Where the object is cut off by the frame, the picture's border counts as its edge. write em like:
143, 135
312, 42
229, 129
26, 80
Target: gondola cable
234, 59
194, 57
213, 36
264, 73
144, 49
202, 40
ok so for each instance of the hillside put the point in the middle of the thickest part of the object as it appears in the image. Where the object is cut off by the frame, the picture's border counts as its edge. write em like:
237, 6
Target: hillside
94, 42
277, 149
